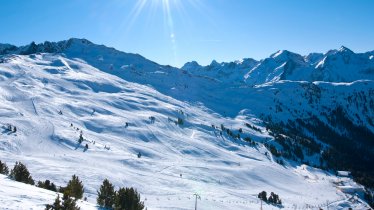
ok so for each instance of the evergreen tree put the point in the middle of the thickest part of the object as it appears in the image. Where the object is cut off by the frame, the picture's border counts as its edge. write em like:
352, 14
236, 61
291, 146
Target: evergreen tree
69, 203
271, 198
106, 195
56, 205
4, 168
129, 199
152, 119
47, 185
74, 188
248, 139
180, 121
274, 199
21, 174
80, 140
262, 196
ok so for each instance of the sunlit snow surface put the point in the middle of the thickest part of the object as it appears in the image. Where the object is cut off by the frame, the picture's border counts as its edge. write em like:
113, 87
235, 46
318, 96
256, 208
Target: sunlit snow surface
177, 161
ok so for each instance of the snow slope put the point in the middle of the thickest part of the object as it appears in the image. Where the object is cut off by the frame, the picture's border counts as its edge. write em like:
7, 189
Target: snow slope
52, 97
16, 195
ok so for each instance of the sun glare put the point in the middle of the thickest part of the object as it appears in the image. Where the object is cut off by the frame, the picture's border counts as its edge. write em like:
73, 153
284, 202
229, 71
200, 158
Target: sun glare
165, 8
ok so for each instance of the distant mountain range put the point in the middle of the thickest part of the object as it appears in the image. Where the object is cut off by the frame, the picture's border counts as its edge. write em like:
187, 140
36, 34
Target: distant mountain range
341, 65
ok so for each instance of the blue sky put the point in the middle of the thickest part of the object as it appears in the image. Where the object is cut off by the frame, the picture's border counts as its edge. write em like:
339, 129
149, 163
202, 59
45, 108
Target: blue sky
176, 31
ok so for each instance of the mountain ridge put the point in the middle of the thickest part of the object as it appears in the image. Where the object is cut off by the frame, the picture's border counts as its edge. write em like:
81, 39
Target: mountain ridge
281, 65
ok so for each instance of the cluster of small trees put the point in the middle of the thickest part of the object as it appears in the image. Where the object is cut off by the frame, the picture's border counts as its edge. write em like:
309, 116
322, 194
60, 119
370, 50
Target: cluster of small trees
19, 173
273, 198
236, 135
71, 193
294, 145
152, 119
11, 128
253, 127
48, 185
250, 141
124, 198
273, 150
67, 203
229, 132
81, 139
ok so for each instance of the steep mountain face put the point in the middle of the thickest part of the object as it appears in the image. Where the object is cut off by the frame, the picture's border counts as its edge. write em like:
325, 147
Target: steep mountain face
283, 65
344, 66
226, 130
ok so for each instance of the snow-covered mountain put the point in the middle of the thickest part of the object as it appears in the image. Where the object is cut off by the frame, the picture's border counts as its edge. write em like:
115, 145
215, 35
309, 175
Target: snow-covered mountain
226, 131
341, 65
232, 72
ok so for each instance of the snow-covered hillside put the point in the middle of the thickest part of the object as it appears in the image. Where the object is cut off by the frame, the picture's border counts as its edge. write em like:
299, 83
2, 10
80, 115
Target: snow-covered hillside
16, 195
54, 91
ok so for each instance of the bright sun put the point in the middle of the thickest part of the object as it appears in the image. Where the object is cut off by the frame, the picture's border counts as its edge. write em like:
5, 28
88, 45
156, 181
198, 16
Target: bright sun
167, 9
